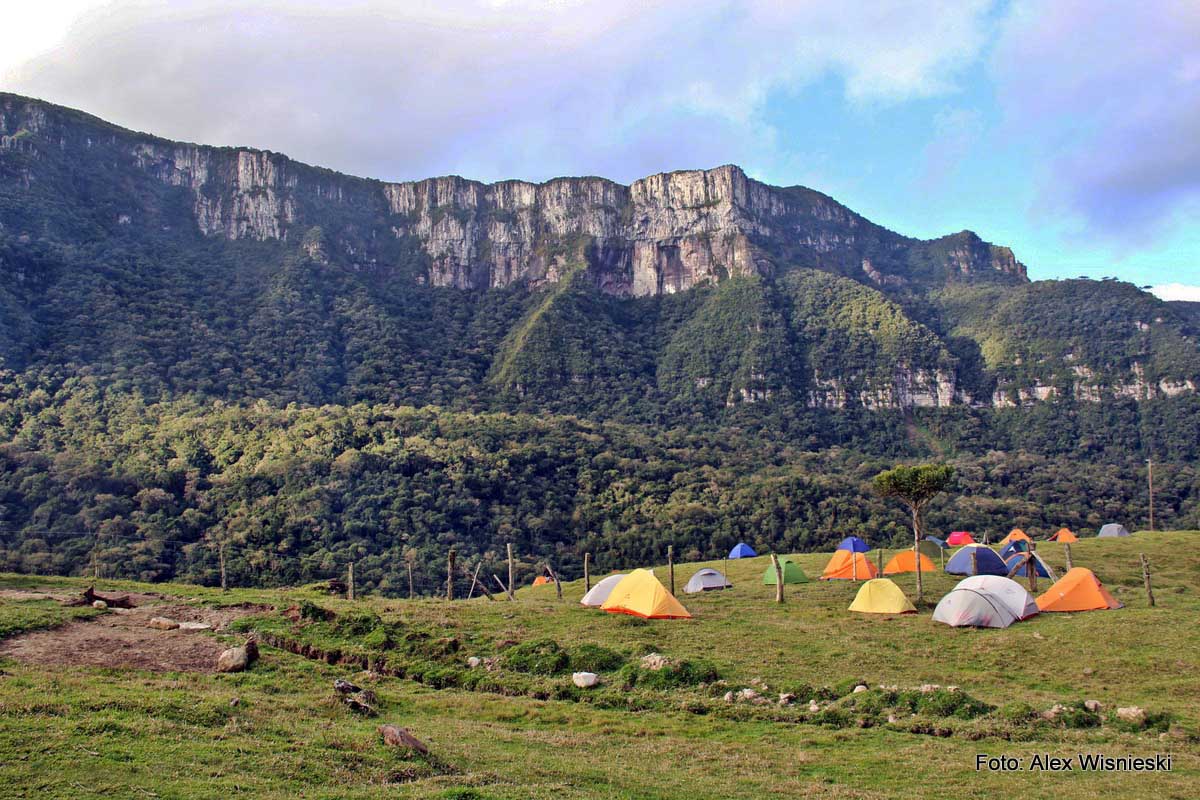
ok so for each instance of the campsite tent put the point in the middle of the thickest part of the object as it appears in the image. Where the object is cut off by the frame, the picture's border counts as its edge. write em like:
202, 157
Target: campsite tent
1064, 535
881, 596
1113, 529
976, 559
854, 544
960, 538
641, 595
1015, 535
600, 592
542, 580
791, 573
906, 561
850, 566
1078, 590
1015, 546
985, 601
1039, 566
706, 580
742, 550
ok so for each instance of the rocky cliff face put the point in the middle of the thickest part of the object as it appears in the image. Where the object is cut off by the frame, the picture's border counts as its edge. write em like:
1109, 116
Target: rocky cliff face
662, 234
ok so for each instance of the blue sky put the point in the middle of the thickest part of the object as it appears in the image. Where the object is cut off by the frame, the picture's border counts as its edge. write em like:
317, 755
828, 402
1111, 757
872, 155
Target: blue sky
1067, 129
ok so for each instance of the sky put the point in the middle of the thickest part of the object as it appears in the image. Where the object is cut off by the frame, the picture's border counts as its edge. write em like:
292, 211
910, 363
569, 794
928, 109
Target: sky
1066, 129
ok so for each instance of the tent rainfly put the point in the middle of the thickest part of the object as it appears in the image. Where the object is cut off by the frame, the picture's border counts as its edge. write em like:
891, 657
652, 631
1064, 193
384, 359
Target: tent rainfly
742, 550
1015, 546
600, 592
932, 548
1113, 529
791, 573
1064, 535
881, 596
850, 566
1016, 535
906, 561
1078, 590
706, 580
1018, 560
985, 601
641, 595
853, 544
976, 559
959, 538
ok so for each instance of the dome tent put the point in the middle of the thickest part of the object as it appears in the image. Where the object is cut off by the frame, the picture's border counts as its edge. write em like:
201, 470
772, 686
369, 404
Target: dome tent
1064, 535
976, 559
854, 545
640, 594
742, 550
791, 573
600, 592
959, 538
1112, 529
906, 561
881, 596
1016, 546
850, 566
1015, 535
1078, 590
1018, 562
985, 601
706, 580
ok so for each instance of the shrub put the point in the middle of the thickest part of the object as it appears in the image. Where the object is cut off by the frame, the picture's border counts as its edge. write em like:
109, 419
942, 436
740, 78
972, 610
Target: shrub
314, 613
539, 657
680, 673
357, 623
594, 658
1017, 712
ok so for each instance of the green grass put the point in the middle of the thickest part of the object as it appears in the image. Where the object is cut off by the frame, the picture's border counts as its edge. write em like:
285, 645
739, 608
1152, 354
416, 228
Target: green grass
73, 732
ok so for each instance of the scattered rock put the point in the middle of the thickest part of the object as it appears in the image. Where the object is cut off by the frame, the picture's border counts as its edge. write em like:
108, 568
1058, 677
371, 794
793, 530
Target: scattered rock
394, 736
100, 604
862, 687
1134, 715
729, 697
238, 659
786, 698
358, 704
655, 661
748, 694
893, 719
813, 707
195, 626
1054, 712
759, 683
585, 680
926, 688
1037, 635
235, 702
343, 686
1095, 706
474, 661
163, 624
1089, 671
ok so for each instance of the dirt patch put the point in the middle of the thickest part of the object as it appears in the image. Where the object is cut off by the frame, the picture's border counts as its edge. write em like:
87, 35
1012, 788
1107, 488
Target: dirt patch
121, 639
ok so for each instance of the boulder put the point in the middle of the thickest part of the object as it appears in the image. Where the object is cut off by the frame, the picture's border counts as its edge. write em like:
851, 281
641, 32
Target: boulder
786, 698
474, 661
729, 697
1134, 715
1095, 706
655, 661
343, 686
1054, 712
862, 687
195, 626
813, 707
163, 624
238, 659
394, 736
100, 604
585, 680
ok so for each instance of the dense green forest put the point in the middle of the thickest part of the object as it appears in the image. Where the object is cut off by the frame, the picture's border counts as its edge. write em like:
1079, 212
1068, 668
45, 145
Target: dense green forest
307, 401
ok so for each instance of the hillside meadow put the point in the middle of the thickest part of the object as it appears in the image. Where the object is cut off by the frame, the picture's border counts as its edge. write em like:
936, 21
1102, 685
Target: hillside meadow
515, 727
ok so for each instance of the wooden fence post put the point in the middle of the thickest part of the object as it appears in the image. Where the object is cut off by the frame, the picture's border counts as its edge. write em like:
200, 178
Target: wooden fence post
503, 588
221, 558
879, 552
350, 582
450, 574
587, 575
1146, 579
1067, 553
671, 566
1031, 565
510, 589
778, 578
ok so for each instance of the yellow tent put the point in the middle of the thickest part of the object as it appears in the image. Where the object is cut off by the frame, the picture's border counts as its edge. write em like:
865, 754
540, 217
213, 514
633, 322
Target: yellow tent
640, 594
906, 561
1014, 535
881, 596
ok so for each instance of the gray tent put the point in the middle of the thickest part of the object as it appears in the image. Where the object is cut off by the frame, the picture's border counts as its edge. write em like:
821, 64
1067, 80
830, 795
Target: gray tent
1113, 529
706, 580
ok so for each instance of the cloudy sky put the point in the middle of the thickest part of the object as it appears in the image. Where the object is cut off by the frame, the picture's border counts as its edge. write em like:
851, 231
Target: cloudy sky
1068, 129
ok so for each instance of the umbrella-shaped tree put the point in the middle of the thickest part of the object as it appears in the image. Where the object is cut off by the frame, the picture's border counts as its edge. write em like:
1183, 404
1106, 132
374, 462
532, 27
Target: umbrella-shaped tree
915, 487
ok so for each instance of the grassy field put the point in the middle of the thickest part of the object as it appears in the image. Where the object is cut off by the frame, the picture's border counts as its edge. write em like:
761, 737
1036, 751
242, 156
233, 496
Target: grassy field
513, 732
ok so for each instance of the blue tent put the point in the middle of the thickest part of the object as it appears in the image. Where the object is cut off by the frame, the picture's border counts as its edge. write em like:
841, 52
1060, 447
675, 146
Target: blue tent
939, 542
1019, 558
976, 559
853, 544
742, 550
1015, 546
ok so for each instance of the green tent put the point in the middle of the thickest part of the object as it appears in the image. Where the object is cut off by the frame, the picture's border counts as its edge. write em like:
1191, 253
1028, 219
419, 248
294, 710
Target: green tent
791, 573
930, 549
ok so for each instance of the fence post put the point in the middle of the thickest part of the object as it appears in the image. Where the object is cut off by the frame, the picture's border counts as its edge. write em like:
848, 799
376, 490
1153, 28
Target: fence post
778, 578
511, 596
221, 558
450, 574
587, 575
1146, 579
350, 582
671, 566
1067, 552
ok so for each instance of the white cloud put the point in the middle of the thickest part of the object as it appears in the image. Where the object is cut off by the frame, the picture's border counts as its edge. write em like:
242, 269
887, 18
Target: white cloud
495, 89
1107, 97
1177, 291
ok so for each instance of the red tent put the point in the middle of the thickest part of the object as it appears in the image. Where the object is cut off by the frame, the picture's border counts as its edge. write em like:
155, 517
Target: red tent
959, 538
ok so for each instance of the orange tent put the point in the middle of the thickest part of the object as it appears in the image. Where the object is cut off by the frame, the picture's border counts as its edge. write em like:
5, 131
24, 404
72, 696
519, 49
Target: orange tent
1064, 535
542, 580
1014, 535
850, 566
906, 561
1078, 590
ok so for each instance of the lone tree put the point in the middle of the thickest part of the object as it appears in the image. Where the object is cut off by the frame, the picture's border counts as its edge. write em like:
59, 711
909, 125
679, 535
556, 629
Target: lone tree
915, 487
